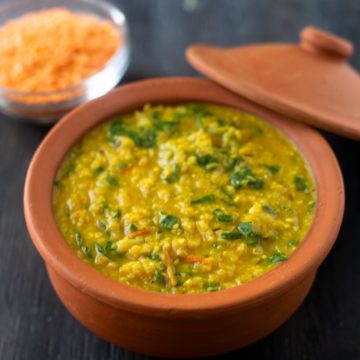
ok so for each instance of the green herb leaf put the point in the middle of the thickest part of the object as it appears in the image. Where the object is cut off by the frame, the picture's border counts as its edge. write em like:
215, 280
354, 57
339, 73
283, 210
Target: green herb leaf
99, 170
268, 209
101, 225
116, 214
293, 243
146, 138
212, 287
112, 180
228, 197
165, 125
233, 163
174, 176
132, 227
201, 110
99, 249
246, 228
200, 113
158, 277
273, 169
108, 246
300, 183
245, 177
71, 168
207, 199
86, 251
161, 125
311, 206
276, 258
104, 249
221, 216
78, 238
154, 257
208, 161
231, 235
167, 221
225, 191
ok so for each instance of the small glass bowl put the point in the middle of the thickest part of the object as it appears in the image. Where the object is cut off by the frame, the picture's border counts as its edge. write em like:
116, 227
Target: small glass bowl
47, 107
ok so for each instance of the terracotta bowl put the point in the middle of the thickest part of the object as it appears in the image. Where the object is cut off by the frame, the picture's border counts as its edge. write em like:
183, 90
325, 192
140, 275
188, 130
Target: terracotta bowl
179, 325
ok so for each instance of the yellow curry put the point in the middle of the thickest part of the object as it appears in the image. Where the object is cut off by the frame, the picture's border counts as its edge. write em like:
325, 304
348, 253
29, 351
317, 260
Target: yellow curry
187, 198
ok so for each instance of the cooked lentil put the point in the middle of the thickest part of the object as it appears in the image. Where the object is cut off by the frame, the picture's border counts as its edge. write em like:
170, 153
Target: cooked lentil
184, 199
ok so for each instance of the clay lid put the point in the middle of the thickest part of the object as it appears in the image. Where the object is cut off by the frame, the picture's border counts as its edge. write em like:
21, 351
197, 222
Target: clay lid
310, 82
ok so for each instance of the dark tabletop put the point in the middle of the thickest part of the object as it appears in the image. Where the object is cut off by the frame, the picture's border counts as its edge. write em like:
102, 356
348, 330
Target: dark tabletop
33, 322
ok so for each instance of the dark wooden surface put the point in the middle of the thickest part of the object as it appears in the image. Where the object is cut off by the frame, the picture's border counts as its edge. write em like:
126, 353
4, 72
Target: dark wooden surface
33, 322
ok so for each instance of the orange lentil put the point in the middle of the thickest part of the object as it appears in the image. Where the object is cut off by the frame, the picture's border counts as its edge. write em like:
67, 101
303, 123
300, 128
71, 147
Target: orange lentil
53, 49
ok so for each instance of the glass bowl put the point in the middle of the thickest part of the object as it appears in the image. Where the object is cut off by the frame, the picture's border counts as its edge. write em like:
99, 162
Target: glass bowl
47, 107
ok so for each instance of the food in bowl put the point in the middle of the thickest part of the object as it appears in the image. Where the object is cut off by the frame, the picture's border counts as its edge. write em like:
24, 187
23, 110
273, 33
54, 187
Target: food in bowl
54, 49
181, 325
187, 198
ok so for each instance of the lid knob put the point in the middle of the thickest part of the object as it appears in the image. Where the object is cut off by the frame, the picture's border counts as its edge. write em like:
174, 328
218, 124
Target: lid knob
313, 39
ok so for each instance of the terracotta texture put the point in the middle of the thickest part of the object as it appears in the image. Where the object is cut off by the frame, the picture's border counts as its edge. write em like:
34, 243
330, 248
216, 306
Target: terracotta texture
179, 325
310, 82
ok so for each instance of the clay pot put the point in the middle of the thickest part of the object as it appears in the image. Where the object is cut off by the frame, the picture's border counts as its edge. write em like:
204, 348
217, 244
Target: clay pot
179, 325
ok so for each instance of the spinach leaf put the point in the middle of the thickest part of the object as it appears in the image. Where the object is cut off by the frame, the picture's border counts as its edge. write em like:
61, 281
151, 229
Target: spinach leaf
273, 169
228, 197
200, 113
78, 238
107, 250
276, 258
231, 235
132, 227
245, 177
154, 257
158, 277
212, 287
268, 209
145, 138
71, 168
99, 249
246, 228
161, 125
99, 170
167, 221
207, 199
101, 225
208, 162
293, 243
116, 214
104, 249
230, 166
174, 176
86, 251
112, 180
221, 216
300, 183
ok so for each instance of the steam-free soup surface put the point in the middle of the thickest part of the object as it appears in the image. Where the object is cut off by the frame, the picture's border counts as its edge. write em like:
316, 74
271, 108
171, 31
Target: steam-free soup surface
184, 199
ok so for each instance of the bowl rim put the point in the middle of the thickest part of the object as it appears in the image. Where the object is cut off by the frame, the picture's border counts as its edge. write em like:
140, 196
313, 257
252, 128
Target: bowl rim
118, 19
61, 258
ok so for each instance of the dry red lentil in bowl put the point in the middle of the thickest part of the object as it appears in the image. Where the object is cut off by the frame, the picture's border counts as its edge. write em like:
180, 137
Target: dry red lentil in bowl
189, 198
53, 58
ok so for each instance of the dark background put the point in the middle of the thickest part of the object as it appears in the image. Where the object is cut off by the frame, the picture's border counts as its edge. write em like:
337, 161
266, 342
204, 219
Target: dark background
33, 322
